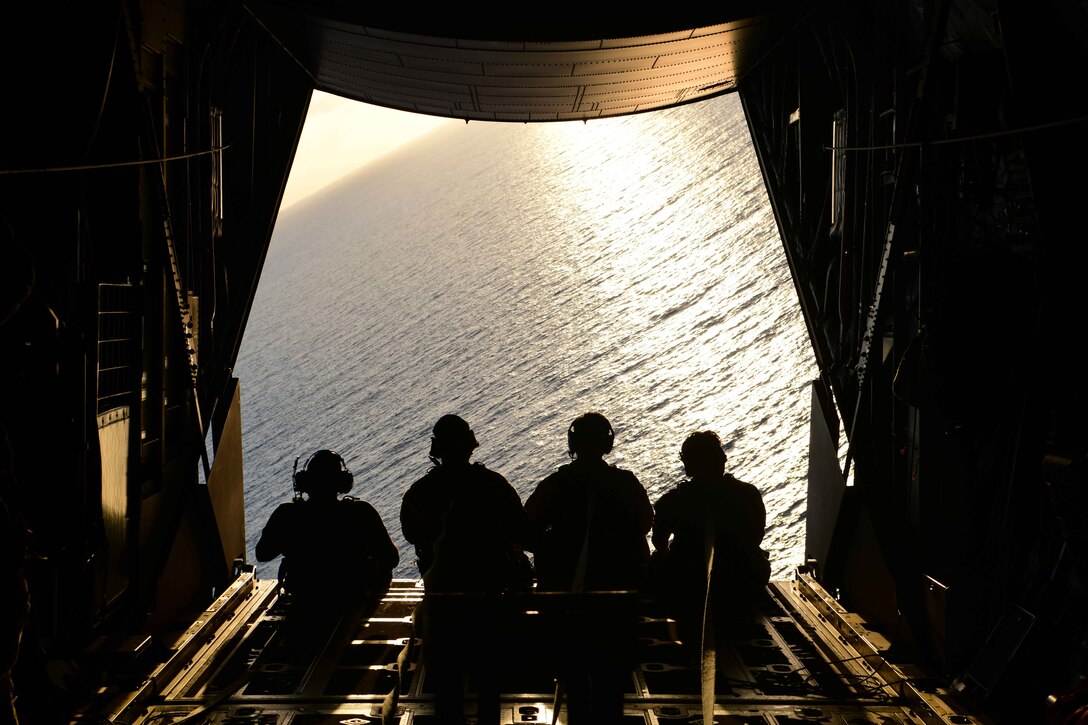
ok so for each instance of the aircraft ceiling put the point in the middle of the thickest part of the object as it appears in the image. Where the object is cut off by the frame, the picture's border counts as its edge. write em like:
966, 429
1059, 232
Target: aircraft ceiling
530, 70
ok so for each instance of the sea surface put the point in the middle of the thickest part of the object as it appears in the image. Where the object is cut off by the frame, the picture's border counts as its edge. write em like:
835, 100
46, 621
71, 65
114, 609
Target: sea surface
520, 275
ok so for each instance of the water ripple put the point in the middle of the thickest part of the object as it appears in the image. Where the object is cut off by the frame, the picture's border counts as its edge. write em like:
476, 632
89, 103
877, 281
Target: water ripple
521, 275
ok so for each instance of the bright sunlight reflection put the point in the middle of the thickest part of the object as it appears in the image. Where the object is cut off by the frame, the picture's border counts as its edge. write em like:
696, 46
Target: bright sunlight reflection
630, 265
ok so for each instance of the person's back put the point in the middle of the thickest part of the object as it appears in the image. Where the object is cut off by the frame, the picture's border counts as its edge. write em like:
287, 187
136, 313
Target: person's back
736, 511
712, 507
589, 521
467, 525
336, 550
613, 505
466, 521
324, 553
478, 547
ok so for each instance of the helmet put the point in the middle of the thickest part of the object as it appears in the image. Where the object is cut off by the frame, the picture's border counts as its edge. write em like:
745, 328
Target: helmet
451, 433
590, 433
324, 468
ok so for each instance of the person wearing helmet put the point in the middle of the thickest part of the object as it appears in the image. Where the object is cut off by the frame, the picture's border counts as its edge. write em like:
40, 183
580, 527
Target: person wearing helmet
589, 523
336, 550
467, 525
709, 509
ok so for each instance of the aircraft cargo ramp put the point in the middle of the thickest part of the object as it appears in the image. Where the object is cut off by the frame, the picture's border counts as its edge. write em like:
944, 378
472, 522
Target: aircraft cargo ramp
802, 660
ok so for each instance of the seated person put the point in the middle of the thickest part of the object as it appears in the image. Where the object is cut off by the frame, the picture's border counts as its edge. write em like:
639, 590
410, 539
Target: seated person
336, 551
710, 508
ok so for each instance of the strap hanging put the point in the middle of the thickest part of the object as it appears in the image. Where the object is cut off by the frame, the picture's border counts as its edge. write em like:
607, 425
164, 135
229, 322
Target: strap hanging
579, 586
708, 659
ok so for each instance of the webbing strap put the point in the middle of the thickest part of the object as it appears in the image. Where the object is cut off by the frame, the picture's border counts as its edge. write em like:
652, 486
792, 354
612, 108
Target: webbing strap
578, 585
708, 659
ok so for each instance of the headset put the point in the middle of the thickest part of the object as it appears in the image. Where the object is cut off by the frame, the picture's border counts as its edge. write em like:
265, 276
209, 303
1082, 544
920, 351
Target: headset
330, 468
592, 428
451, 433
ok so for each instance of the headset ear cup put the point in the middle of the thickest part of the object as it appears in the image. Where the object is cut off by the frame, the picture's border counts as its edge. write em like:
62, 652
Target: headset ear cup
302, 481
344, 481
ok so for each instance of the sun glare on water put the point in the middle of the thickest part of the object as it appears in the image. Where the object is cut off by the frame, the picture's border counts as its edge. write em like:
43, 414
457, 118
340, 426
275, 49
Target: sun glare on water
521, 274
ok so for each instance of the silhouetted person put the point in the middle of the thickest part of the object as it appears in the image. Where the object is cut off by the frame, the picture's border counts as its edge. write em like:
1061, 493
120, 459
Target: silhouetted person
466, 521
468, 527
590, 520
336, 551
610, 499
710, 509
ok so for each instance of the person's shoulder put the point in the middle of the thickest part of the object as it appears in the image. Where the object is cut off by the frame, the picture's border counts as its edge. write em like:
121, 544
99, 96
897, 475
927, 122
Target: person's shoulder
561, 471
358, 508
492, 477
289, 515
553, 479
665, 501
673, 494
745, 485
482, 471
430, 478
748, 491
689, 493
623, 474
288, 508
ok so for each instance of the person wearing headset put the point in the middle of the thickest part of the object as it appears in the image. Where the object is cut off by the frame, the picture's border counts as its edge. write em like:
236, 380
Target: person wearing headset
336, 550
589, 518
589, 521
466, 522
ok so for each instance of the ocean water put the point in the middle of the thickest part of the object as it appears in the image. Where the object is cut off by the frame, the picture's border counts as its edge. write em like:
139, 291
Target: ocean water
520, 275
